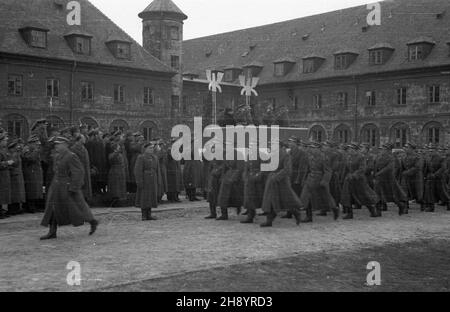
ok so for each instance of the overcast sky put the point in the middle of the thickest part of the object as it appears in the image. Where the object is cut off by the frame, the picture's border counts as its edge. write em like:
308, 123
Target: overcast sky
208, 17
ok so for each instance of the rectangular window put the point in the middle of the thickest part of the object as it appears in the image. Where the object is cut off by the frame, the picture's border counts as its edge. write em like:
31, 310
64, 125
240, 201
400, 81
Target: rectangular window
343, 136
308, 66
52, 88
119, 94
401, 96
342, 100
82, 45
317, 101
400, 137
376, 57
185, 104
371, 98
174, 33
38, 39
15, 128
434, 94
416, 52
175, 61
279, 69
341, 61
123, 50
87, 91
15, 85
434, 135
148, 96
229, 75
147, 132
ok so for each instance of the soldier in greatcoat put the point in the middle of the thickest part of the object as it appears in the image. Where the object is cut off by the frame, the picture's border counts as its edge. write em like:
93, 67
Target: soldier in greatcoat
117, 183
316, 194
32, 173
96, 150
356, 190
174, 177
65, 203
386, 185
278, 193
17, 182
5, 179
435, 189
77, 147
216, 170
146, 173
192, 177
335, 162
231, 193
135, 148
412, 174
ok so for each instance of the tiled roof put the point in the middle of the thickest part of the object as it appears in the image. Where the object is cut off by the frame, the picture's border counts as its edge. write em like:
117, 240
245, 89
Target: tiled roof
162, 6
18, 14
402, 21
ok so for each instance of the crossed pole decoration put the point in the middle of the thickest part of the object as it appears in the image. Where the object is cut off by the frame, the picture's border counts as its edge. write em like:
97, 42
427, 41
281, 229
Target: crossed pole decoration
214, 80
248, 88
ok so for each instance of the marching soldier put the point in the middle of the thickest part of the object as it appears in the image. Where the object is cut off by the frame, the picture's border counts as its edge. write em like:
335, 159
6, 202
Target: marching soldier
231, 193
356, 190
335, 163
386, 186
278, 192
33, 175
435, 189
65, 203
412, 174
146, 172
316, 194
17, 183
5, 179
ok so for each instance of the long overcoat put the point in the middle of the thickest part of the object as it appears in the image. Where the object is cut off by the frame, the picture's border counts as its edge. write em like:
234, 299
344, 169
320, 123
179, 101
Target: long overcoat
32, 174
254, 185
231, 193
278, 192
216, 170
5, 178
78, 149
17, 182
146, 173
117, 181
65, 199
386, 185
97, 158
174, 175
435, 189
412, 177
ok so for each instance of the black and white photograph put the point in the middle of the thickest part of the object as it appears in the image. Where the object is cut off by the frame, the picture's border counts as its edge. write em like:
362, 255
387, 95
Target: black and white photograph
224, 151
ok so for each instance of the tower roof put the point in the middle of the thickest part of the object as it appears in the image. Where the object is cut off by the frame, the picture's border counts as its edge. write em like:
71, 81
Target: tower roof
158, 7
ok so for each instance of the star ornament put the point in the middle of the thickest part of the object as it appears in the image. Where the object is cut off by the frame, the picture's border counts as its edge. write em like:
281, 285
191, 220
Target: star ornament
214, 81
248, 86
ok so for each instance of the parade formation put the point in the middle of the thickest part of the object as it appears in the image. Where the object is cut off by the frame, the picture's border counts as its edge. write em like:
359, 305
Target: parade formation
60, 171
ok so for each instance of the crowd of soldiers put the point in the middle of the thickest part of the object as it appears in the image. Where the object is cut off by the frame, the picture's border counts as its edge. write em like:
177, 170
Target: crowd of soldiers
312, 178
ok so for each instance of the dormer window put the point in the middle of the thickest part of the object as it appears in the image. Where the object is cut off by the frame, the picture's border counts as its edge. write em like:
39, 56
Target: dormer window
344, 59
420, 48
121, 49
231, 73
312, 63
380, 53
253, 69
79, 42
283, 66
35, 36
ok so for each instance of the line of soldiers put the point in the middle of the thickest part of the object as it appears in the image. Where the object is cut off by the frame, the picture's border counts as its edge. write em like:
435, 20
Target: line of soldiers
330, 178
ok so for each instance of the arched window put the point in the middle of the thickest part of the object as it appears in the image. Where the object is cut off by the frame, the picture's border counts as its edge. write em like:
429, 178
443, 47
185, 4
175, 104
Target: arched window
90, 122
370, 134
16, 125
119, 124
433, 132
148, 129
400, 134
343, 134
318, 134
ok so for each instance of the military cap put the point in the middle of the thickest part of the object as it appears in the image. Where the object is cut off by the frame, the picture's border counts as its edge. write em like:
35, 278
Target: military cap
354, 146
136, 134
410, 145
388, 146
146, 145
33, 139
61, 140
38, 123
315, 145
13, 143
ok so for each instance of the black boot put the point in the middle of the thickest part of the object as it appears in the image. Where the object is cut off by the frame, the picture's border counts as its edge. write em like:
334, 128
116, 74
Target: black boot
349, 213
52, 232
336, 213
213, 212
2, 214
422, 207
385, 207
375, 212
309, 217
269, 221
144, 214
224, 215
250, 217
402, 210
298, 218
149, 216
94, 225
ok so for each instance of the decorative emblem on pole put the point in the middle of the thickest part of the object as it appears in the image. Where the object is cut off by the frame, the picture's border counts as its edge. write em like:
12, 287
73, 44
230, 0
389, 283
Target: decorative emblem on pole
248, 85
214, 80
